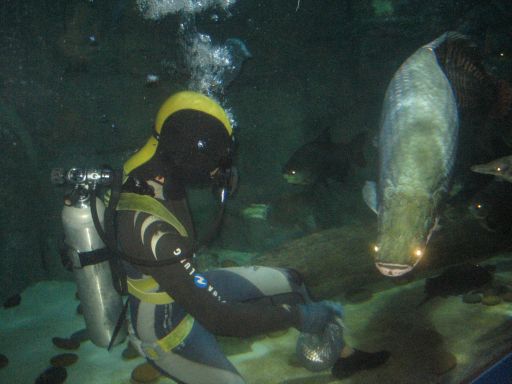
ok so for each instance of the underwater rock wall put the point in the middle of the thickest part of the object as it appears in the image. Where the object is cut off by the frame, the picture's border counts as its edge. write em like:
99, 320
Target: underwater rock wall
21, 233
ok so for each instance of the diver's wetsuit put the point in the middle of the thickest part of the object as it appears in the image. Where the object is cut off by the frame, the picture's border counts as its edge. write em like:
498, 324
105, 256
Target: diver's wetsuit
240, 301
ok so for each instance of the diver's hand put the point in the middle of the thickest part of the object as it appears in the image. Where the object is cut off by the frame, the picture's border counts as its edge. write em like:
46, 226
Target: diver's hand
314, 317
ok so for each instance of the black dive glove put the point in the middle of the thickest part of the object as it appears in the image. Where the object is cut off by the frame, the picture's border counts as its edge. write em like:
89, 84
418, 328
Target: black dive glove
314, 317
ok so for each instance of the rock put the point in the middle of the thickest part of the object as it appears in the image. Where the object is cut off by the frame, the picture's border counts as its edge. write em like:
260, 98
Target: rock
293, 361
4, 361
507, 297
53, 375
491, 300
500, 288
80, 336
277, 334
234, 345
13, 301
443, 361
358, 295
145, 373
427, 337
63, 343
228, 263
491, 292
471, 298
64, 360
130, 352
346, 261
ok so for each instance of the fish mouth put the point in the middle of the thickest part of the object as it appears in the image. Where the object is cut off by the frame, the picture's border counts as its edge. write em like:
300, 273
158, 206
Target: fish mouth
393, 270
482, 168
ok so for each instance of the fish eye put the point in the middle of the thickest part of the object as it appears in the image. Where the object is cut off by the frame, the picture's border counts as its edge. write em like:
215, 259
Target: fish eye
498, 169
376, 248
418, 252
293, 171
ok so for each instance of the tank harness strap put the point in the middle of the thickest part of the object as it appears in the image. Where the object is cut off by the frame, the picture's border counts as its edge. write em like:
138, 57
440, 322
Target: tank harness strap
171, 341
93, 257
140, 288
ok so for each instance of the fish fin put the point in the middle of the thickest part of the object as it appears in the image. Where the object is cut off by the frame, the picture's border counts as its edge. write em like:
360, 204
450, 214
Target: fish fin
370, 195
356, 146
461, 62
437, 225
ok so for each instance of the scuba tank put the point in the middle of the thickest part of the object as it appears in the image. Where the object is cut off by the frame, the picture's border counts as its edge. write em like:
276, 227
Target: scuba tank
90, 261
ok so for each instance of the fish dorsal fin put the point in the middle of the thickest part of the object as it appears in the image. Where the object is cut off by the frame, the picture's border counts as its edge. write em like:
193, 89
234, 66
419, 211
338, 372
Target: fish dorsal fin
461, 62
370, 195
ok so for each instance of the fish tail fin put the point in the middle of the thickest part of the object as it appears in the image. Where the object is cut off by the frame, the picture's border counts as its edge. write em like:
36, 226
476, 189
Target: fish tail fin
474, 88
461, 62
356, 146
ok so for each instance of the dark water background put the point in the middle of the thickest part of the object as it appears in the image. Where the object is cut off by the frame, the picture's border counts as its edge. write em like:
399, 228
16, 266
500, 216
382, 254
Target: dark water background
73, 92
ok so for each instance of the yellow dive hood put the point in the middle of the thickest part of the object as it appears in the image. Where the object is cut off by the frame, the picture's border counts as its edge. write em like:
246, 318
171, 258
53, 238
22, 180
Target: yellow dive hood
179, 101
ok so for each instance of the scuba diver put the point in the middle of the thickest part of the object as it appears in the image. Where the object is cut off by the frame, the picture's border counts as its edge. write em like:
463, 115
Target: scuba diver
176, 310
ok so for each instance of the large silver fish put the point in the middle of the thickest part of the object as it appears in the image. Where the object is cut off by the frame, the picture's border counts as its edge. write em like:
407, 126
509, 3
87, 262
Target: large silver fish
417, 145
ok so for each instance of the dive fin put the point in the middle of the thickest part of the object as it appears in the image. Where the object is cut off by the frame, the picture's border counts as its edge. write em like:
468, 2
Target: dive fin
370, 195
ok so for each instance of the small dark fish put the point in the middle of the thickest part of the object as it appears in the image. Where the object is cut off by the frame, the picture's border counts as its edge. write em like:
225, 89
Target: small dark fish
457, 280
501, 168
12, 301
492, 207
322, 160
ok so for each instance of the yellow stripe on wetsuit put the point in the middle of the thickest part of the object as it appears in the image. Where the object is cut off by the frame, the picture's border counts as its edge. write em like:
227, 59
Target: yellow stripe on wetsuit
143, 289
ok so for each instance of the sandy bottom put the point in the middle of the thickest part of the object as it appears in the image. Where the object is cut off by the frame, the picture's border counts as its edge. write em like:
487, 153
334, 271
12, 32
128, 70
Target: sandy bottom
423, 340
